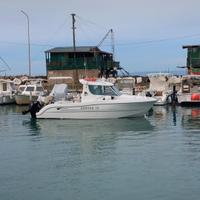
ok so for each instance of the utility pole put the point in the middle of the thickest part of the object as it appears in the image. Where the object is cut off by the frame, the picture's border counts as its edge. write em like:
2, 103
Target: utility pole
76, 81
73, 28
29, 46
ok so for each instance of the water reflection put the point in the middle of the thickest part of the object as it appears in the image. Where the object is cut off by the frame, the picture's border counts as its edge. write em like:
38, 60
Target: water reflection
182, 117
190, 118
104, 158
6, 109
162, 116
33, 126
112, 125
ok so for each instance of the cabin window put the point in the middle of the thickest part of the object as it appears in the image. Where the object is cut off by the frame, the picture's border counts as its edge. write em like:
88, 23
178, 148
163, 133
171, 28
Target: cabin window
195, 81
96, 89
40, 89
30, 89
104, 90
4, 87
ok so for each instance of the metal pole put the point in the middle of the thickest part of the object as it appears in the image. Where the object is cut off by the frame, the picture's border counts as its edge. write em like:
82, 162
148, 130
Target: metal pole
73, 27
74, 46
29, 46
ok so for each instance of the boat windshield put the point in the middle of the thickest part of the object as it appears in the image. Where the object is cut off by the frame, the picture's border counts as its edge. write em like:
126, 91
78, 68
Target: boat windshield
30, 88
104, 90
39, 88
193, 81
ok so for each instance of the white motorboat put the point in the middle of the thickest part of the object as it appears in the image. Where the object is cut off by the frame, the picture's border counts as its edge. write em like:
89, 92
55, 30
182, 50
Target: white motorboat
28, 93
7, 91
99, 100
189, 93
161, 87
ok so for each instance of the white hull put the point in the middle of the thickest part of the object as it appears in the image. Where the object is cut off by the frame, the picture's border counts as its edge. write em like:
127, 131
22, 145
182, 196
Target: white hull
186, 99
24, 99
7, 99
189, 93
63, 110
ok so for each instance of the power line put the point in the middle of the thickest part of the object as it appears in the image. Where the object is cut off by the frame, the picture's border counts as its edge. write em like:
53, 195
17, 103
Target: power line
159, 40
91, 22
19, 43
119, 44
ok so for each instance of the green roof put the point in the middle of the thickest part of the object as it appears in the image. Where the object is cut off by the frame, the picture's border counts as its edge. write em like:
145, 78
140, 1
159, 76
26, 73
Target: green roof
191, 46
88, 49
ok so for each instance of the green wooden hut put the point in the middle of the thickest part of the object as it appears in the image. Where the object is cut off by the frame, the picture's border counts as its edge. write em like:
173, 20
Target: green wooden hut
193, 58
63, 60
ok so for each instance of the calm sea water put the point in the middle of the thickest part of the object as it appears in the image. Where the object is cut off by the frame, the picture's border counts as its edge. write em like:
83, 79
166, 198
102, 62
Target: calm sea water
157, 157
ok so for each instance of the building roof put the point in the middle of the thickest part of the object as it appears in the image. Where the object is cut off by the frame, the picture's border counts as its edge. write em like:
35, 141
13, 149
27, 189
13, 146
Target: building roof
191, 46
89, 49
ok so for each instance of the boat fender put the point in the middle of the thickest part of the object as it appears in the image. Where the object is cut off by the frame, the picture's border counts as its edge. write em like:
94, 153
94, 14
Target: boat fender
90, 79
112, 97
195, 96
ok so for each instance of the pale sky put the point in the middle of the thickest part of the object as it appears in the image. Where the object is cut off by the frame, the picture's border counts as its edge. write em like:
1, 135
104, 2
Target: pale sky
149, 34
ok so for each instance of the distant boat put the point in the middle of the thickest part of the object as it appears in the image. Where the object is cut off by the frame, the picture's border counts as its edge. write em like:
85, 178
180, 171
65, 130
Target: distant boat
7, 91
189, 93
161, 87
99, 100
28, 93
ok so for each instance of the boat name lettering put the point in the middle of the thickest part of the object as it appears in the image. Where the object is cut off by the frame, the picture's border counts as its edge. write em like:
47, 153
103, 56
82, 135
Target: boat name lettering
89, 108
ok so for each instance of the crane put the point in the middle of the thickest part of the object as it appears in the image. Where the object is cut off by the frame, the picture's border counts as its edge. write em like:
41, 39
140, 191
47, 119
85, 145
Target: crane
112, 40
5, 63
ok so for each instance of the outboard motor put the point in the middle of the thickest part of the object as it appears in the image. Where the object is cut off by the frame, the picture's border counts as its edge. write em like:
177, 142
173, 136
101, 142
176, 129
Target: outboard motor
173, 96
148, 94
34, 107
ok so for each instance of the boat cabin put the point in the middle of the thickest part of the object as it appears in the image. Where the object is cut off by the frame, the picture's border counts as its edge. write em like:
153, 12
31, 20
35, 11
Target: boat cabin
7, 86
98, 88
190, 84
34, 89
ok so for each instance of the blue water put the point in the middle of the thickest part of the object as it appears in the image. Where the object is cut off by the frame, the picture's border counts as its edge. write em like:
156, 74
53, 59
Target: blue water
157, 157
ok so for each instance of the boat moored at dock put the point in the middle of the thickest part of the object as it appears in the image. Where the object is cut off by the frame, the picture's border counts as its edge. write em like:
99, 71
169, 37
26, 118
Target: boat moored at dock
28, 93
99, 100
189, 93
161, 87
7, 91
